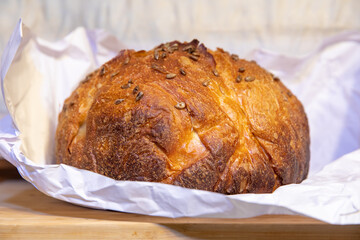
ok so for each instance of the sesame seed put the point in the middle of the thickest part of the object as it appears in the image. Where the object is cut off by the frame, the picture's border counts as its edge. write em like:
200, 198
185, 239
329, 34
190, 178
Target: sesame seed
127, 60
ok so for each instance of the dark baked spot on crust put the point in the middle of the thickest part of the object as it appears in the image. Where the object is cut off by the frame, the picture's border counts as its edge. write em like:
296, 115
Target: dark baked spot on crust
143, 163
160, 133
201, 175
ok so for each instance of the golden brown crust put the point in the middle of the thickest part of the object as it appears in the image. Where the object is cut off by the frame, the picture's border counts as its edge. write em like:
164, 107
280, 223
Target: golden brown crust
184, 115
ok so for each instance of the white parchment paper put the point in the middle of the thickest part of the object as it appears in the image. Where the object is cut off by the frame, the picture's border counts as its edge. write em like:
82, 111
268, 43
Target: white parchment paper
37, 76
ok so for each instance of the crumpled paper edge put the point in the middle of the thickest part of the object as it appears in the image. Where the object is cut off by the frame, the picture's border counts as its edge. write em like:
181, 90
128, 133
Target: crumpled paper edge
192, 201
222, 206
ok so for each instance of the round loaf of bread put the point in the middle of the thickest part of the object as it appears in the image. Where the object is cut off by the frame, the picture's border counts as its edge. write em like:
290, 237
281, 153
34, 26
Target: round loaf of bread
185, 115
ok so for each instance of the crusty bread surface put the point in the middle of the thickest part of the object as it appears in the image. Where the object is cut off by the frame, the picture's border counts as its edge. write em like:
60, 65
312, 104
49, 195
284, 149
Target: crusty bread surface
185, 115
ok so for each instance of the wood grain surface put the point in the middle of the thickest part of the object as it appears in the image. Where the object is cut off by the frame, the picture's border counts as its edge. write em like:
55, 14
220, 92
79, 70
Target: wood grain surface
26, 213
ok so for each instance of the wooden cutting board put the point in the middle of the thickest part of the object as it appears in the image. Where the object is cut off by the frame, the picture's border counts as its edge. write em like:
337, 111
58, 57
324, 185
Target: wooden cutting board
26, 213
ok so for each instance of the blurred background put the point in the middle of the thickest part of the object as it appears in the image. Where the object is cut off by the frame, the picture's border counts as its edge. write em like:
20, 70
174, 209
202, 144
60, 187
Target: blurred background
289, 27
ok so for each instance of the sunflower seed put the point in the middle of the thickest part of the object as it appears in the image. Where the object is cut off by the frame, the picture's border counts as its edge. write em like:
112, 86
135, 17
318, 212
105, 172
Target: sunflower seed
127, 60
180, 105
206, 82
215, 72
156, 54
234, 57
118, 101
166, 46
158, 68
170, 75
241, 69
139, 96
174, 47
197, 54
195, 58
87, 78
114, 74
238, 79
221, 90
125, 86
136, 89
182, 71
188, 48
249, 79
102, 71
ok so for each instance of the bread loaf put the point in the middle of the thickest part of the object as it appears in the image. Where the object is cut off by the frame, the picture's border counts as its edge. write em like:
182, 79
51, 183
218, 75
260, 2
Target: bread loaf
185, 115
